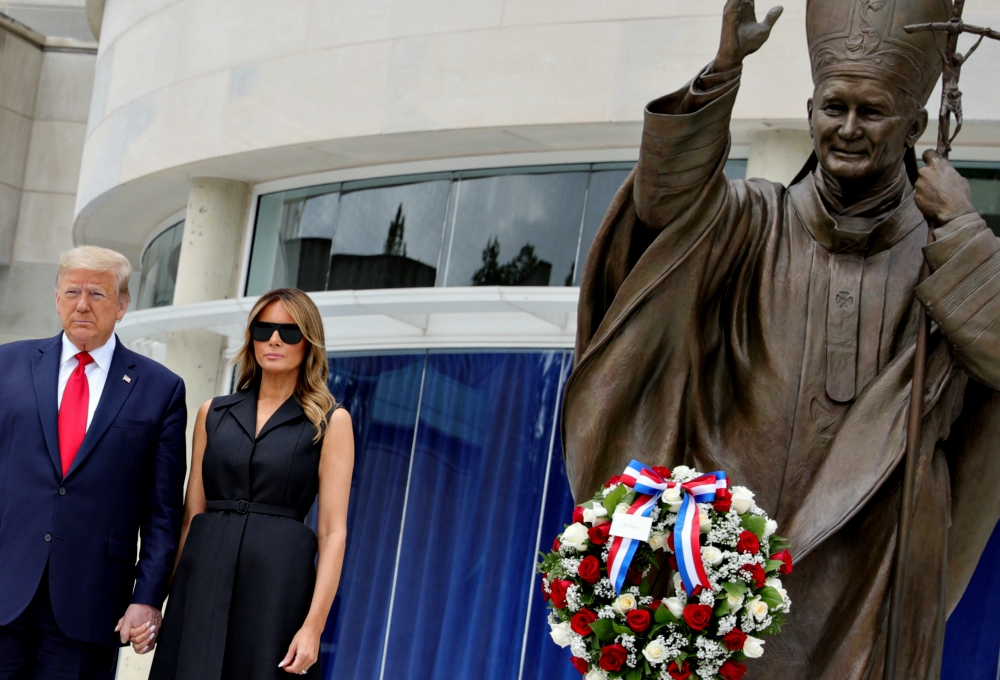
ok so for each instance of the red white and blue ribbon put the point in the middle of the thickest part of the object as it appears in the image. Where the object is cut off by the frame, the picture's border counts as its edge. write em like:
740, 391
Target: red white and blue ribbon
649, 486
687, 531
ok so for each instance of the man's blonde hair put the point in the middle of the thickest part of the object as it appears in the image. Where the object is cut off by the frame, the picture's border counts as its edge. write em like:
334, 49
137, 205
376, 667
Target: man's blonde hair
97, 259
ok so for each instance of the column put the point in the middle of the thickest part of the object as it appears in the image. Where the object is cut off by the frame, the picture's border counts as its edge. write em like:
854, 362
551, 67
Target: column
208, 269
778, 155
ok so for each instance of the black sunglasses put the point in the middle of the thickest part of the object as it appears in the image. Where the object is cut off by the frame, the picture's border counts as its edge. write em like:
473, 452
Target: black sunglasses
290, 333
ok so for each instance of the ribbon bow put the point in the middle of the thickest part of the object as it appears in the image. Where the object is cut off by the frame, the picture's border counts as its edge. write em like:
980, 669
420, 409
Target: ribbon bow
649, 486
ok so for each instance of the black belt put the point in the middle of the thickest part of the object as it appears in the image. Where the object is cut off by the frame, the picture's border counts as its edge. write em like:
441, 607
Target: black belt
243, 507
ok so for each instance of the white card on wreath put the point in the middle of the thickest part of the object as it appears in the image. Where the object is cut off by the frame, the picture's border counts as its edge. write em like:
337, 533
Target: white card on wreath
635, 527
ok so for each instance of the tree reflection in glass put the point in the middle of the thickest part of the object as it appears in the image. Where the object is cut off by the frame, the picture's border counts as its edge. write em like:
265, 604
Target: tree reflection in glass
523, 270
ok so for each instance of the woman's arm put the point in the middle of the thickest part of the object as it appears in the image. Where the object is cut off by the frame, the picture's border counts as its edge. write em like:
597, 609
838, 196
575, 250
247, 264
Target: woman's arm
143, 638
336, 466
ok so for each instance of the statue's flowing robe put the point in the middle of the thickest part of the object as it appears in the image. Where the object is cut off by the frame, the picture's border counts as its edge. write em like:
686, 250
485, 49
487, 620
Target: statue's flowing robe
737, 326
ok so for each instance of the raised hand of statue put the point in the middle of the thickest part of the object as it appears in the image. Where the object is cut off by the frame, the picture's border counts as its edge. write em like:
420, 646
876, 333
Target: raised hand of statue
941, 193
742, 34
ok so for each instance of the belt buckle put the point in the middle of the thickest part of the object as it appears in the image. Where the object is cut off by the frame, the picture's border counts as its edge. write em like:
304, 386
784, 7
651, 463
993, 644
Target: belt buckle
242, 507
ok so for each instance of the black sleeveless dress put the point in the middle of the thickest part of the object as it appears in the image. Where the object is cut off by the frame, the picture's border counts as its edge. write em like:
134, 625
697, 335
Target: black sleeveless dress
245, 580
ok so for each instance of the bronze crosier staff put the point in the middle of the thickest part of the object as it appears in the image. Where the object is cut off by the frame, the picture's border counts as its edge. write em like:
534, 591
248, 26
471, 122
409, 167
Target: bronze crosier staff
951, 103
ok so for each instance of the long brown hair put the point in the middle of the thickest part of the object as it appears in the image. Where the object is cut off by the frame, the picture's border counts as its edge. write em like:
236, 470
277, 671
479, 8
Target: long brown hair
311, 391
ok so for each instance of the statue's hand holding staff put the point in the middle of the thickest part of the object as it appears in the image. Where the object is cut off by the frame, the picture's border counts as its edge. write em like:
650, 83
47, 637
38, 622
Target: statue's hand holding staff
742, 34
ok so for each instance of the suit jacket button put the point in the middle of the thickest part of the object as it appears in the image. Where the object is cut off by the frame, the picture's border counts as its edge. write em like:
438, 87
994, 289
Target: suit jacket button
62, 490
48, 538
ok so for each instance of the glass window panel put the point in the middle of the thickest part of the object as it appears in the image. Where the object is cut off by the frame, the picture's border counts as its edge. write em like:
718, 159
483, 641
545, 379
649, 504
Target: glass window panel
603, 185
984, 180
389, 236
159, 268
516, 230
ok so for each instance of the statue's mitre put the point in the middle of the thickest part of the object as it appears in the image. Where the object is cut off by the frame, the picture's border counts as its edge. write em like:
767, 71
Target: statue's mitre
866, 38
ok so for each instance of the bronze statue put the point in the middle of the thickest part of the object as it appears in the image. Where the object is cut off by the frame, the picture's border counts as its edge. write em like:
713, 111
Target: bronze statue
769, 332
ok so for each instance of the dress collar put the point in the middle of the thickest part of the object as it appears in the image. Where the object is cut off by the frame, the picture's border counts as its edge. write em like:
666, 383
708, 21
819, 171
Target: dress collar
102, 355
852, 234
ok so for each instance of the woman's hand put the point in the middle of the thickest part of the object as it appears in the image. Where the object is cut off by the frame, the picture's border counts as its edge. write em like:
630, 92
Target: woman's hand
143, 637
741, 34
303, 652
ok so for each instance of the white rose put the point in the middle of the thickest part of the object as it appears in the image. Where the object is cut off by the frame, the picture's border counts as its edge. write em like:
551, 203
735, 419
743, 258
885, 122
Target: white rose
753, 647
675, 606
575, 536
621, 508
672, 497
742, 499
735, 602
596, 515
560, 633
704, 521
658, 541
757, 608
624, 604
777, 585
596, 674
654, 653
769, 528
712, 555
678, 583
681, 471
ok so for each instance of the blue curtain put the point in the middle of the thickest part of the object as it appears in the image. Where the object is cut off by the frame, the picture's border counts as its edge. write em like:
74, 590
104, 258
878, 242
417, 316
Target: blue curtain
459, 481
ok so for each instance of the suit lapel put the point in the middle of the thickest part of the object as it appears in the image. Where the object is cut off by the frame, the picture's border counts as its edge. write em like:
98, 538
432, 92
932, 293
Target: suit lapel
116, 390
45, 373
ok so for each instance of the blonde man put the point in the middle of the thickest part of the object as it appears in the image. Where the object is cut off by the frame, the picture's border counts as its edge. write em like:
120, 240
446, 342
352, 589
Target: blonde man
92, 456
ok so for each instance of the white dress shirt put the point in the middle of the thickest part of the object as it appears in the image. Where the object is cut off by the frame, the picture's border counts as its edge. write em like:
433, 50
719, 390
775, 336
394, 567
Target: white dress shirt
96, 371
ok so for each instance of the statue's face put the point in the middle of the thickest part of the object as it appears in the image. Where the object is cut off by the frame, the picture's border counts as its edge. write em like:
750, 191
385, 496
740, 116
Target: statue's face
861, 127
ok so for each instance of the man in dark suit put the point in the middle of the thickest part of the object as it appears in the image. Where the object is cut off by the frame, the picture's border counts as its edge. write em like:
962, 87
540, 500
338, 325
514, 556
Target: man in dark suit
92, 452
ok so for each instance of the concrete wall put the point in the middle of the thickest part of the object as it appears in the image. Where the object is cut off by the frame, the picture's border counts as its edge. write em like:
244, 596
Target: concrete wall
44, 101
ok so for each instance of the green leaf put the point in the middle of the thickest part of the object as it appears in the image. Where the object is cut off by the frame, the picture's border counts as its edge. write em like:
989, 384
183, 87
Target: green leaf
587, 598
721, 608
735, 589
663, 615
755, 524
772, 565
778, 543
770, 596
603, 629
622, 630
646, 667
614, 498
644, 587
634, 674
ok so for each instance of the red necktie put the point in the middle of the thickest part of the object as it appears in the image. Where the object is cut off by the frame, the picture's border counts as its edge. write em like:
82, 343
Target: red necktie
73, 412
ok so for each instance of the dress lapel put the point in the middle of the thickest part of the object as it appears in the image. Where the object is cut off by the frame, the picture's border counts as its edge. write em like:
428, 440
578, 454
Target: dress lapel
45, 373
116, 391
245, 411
289, 410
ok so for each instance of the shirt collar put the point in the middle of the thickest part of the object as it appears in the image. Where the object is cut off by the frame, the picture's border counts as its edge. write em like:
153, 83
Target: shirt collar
102, 355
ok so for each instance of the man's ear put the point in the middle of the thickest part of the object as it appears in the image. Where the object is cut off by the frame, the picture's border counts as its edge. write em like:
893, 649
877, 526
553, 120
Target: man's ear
809, 109
917, 127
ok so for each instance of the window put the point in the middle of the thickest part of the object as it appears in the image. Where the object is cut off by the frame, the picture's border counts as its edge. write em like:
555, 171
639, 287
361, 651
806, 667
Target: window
159, 268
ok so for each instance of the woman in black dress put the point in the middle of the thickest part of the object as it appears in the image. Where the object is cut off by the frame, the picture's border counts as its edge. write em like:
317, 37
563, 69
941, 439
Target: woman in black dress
249, 600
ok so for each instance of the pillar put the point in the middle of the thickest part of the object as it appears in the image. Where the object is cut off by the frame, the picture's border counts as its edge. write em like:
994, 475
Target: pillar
778, 155
208, 269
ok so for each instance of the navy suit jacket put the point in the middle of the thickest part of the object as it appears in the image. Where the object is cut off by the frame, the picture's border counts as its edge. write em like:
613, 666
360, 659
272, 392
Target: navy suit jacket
127, 477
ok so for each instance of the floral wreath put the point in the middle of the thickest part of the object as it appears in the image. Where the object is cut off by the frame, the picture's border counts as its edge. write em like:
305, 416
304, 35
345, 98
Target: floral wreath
726, 562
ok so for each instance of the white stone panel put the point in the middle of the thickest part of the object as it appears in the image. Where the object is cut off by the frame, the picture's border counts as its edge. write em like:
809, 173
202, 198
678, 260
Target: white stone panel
45, 227
10, 206
20, 63
554, 74
54, 157
15, 136
64, 87
123, 15
145, 58
533, 12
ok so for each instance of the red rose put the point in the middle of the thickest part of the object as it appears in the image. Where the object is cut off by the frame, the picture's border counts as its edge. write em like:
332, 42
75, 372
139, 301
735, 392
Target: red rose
654, 605
785, 557
697, 616
579, 664
599, 534
748, 543
580, 623
757, 573
732, 670
589, 569
633, 576
545, 593
558, 591
723, 500
638, 620
682, 673
672, 562
556, 544
612, 657
670, 541
578, 514
734, 639
662, 471
611, 482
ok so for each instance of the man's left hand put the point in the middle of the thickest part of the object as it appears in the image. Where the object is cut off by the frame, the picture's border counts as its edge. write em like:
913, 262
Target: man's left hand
140, 616
941, 193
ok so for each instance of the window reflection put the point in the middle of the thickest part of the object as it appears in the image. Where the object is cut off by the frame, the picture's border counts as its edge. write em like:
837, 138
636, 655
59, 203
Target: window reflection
984, 180
159, 268
528, 226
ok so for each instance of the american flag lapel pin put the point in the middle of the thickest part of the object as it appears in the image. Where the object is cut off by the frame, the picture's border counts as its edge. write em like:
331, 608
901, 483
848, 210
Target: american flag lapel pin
126, 378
